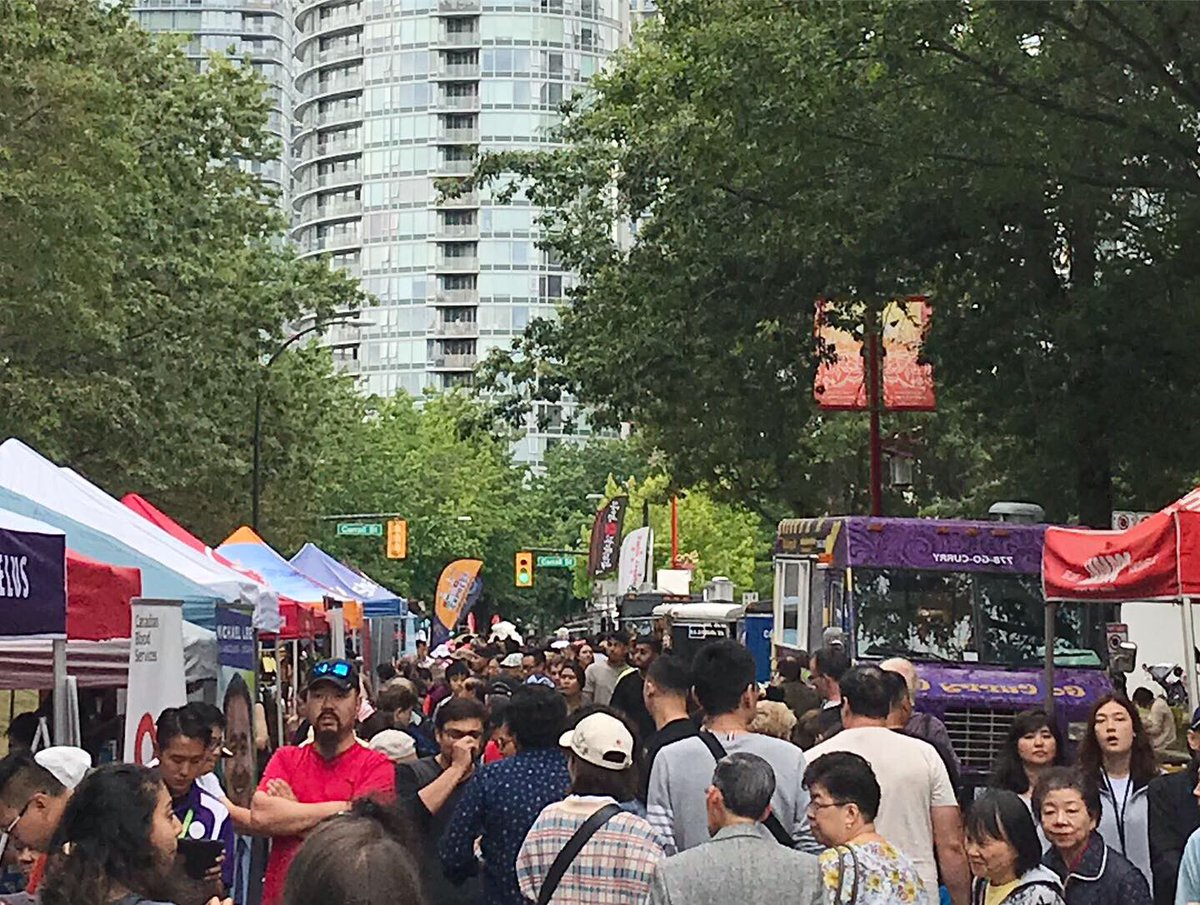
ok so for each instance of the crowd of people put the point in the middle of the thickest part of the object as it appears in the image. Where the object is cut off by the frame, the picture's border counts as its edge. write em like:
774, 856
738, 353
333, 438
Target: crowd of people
607, 772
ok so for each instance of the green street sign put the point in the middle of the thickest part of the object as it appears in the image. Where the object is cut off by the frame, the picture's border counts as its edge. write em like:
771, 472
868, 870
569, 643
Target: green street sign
360, 529
555, 561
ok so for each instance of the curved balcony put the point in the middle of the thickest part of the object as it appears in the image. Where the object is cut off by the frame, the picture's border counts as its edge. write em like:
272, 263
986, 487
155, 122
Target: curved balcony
318, 58
315, 182
315, 245
317, 214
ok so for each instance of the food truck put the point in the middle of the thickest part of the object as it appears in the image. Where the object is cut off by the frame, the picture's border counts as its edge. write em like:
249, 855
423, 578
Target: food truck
962, 600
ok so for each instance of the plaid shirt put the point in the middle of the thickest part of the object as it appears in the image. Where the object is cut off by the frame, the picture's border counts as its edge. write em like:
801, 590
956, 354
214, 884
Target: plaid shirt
615, 867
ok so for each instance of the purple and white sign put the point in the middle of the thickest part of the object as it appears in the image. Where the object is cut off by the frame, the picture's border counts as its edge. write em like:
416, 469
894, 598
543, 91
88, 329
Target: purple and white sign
938, 545
33, 579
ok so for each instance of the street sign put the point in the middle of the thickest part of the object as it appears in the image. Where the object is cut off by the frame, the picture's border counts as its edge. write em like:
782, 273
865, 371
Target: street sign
1124, 519
397, 539
360, 529
555, 561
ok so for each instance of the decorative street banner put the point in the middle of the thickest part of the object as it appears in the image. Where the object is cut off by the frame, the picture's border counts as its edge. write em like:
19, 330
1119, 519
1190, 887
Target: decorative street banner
604, 552
237, 653
156, 675
637, 551
907, 384
457, 590
33, 579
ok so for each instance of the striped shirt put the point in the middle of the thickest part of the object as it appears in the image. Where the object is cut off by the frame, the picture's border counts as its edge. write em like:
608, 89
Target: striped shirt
614, 867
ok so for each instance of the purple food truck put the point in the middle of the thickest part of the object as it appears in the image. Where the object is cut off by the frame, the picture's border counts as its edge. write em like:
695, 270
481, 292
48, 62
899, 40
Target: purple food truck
961, 599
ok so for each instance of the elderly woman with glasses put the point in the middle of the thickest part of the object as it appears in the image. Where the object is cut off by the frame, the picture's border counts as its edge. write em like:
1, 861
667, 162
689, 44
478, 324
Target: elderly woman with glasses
859, 867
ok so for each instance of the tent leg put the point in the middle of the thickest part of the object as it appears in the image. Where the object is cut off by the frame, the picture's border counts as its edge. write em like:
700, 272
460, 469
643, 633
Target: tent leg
61, 719
337, 633
1048, 676
279, 692
1189, 655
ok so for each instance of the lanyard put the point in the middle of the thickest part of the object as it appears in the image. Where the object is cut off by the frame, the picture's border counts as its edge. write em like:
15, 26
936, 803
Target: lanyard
1124, 803
187, 823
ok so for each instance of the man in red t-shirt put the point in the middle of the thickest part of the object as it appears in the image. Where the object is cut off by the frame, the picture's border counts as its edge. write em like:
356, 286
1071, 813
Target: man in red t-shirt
302, 786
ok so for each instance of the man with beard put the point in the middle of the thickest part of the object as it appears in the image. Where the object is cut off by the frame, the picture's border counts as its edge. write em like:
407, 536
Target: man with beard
303, 786
627, 696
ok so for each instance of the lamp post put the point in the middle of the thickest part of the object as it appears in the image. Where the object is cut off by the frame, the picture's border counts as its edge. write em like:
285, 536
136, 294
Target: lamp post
256, 480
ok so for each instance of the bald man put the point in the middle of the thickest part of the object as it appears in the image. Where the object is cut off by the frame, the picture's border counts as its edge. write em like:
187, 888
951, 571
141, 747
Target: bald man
925, 726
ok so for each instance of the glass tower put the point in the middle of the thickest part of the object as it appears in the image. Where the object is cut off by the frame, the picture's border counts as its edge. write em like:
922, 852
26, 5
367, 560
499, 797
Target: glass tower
393, 96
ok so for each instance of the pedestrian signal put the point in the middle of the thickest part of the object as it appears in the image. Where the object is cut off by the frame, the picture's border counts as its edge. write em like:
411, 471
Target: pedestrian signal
524, 569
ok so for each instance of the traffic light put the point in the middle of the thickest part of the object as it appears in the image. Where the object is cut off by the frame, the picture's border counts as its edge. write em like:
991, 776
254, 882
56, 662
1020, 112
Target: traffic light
524, 569
397, 539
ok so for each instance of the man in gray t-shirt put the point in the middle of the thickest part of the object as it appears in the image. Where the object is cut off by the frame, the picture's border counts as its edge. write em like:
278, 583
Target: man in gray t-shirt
600, 680
723, 683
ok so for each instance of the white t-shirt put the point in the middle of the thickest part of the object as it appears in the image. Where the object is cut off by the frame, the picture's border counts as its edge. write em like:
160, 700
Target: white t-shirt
912, 779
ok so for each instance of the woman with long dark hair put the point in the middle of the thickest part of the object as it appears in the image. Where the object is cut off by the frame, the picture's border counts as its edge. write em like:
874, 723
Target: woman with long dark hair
1032, 746
363, 857
1116, 754
116, 842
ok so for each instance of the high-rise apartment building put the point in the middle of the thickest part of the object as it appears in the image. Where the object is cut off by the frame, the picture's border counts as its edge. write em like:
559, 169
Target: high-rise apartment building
393, 96
379, 100
257, 30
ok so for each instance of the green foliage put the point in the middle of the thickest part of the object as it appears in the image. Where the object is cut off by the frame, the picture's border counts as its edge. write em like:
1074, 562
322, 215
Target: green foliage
143, 276
1031, 166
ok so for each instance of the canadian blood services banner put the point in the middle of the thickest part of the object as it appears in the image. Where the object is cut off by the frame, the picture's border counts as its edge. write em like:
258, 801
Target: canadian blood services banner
156, 673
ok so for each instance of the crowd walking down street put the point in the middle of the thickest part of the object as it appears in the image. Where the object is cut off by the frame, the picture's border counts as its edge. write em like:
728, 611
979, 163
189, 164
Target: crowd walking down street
577, 806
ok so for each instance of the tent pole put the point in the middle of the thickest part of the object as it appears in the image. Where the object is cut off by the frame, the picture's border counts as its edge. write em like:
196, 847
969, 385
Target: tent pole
279, 691
1189, 655
1048, 676
61, 720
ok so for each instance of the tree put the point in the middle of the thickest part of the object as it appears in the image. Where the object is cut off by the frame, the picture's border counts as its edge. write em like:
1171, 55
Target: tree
1030, 166
143, 277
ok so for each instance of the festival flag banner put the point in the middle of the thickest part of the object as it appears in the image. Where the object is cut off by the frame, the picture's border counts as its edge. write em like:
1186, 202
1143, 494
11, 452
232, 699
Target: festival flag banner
156, 673
33, 578
636, 554
908, 385
604, 551
457, 590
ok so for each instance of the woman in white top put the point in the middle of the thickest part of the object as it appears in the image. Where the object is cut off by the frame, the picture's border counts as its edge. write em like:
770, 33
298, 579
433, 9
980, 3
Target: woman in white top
1117, 755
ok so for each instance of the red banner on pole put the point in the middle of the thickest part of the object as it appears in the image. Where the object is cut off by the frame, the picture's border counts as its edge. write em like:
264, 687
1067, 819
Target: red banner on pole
840, 383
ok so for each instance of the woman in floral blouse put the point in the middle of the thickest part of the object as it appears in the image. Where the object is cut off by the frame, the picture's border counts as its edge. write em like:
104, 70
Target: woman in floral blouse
859, 867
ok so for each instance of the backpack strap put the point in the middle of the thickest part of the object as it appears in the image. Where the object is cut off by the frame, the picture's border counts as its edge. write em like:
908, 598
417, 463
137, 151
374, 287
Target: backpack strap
571, 851
772, 823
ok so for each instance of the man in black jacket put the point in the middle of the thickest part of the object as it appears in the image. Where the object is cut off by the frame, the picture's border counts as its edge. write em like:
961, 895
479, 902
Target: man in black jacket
1174, 816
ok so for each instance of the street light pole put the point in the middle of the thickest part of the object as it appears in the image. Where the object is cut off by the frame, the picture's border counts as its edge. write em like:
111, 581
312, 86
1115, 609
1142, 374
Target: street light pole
256, 475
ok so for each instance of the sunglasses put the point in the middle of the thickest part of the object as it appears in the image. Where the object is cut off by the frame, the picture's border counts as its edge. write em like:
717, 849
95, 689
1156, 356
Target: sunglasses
339, 668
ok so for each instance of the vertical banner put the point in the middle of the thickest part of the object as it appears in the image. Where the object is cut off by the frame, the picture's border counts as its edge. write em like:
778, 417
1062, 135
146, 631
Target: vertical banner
908, 385
457, 590
237, 651
604, 551
156, 674
636, 555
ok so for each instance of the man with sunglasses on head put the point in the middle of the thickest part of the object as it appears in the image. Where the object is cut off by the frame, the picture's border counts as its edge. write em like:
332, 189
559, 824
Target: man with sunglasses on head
302, 786
432, 787
34, 792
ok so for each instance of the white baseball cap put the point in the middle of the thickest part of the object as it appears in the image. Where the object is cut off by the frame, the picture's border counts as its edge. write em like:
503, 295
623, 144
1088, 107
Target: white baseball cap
66, 764
397, 746
601, 740
512, 661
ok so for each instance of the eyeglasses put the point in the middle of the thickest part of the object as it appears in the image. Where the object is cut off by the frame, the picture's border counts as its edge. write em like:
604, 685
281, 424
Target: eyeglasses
339, 668
821, 805
8, 830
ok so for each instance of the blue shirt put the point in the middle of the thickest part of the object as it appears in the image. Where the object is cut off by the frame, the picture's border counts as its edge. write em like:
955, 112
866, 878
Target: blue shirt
1187, 888
500, 803
205, 817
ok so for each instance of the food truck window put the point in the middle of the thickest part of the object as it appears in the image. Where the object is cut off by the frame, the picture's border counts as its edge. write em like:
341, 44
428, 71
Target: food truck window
908, 612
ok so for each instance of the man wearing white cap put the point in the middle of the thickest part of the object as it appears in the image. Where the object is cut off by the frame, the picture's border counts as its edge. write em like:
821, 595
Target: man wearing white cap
34, 791
565, 854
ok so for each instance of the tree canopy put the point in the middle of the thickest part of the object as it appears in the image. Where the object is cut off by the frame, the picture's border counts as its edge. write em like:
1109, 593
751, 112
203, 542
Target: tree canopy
143, 277
1031, 167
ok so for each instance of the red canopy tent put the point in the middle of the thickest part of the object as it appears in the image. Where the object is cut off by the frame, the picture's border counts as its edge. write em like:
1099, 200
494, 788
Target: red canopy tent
98, 597
1157, 559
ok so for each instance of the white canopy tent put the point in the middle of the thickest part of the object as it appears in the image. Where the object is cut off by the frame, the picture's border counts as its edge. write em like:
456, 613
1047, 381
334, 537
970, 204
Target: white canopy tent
26, 472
